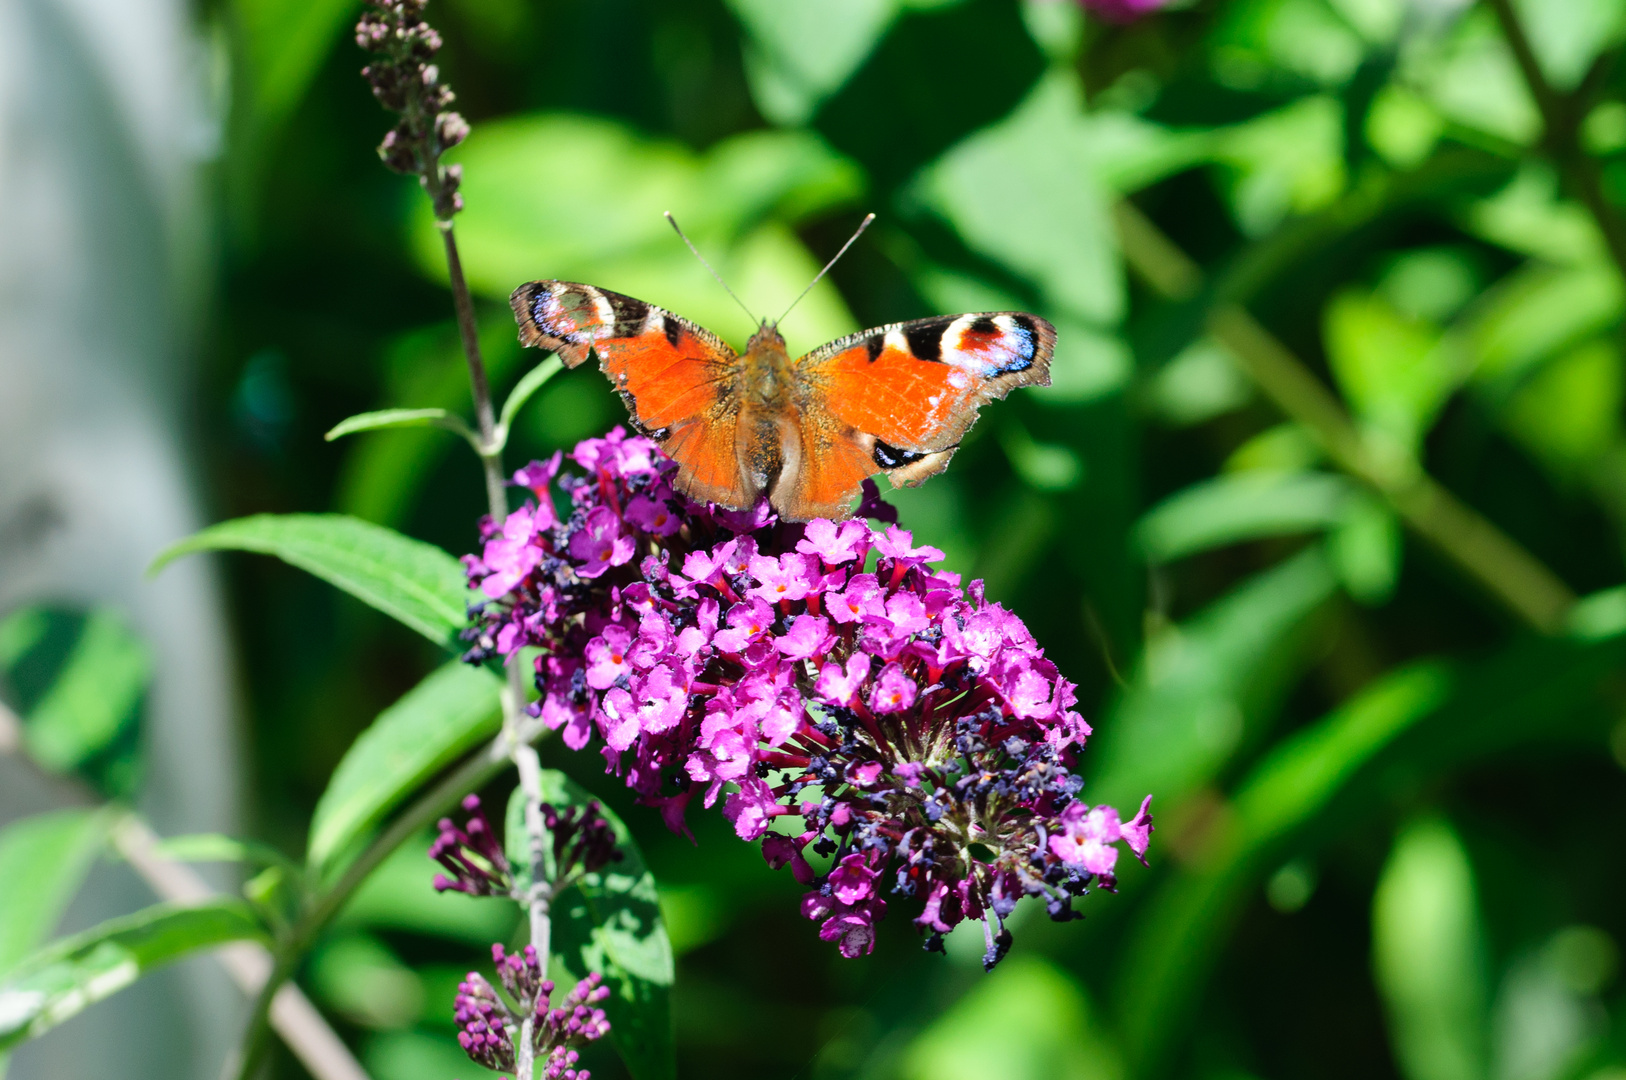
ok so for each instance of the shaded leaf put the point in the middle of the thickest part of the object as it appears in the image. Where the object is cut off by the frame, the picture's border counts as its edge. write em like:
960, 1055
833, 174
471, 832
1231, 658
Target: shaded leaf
399, 895
409, 580
43, 861
1234, 507
1428, 954
96, 693
63, 979
1204, 686
452, 710
611, 923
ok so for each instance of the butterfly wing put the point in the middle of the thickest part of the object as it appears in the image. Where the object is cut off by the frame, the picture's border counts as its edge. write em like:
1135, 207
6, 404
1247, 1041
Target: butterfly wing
898, 399
680, 382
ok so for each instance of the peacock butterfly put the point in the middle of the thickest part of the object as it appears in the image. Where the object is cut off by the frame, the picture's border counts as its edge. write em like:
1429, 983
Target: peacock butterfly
896, 399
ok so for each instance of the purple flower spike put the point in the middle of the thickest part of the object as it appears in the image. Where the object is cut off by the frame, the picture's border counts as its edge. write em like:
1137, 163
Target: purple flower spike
488, 1020
889, 720
473, 854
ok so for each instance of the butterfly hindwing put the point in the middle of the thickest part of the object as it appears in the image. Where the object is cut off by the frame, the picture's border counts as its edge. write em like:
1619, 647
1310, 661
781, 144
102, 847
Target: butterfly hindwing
680, 382
898, 399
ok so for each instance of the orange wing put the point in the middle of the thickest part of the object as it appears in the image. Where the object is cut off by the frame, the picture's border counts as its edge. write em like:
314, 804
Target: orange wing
680, 382
898, 399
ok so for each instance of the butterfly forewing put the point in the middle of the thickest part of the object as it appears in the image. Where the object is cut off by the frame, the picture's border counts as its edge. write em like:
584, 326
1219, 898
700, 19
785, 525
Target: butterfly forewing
680, 382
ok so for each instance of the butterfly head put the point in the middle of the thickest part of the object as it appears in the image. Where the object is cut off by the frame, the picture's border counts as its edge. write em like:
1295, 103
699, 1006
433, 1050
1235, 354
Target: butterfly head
767, 337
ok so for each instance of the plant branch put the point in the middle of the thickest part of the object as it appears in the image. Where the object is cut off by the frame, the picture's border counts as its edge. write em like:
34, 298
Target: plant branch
1518, 580
249, 965
1561, 116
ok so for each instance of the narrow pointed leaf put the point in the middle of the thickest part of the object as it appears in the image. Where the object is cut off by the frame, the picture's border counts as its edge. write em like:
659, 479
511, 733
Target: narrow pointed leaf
436, 722
398, 418
64, 978
43, 861
409, 580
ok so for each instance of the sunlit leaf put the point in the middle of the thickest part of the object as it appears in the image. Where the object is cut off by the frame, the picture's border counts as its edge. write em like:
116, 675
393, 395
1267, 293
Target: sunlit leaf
1044, 216
1283, 163
66, 977
409, 580
1026, 1021
96, 693
1568, 412
602, 219
1364, 547
799, 54
1428, 955
454, 709
398, 418
1392, 370
43, 861
1241, 506
611, 923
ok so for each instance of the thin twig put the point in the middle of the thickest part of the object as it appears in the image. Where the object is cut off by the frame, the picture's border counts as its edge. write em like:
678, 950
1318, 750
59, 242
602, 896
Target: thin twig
1521, 582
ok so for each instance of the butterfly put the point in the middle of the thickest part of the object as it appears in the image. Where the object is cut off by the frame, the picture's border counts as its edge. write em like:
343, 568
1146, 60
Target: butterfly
807, 432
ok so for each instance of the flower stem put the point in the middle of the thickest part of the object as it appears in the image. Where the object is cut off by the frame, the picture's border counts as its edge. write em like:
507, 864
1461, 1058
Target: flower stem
526, 760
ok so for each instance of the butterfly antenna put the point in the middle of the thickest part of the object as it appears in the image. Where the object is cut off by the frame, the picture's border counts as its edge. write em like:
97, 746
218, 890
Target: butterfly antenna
707, 265
856, 234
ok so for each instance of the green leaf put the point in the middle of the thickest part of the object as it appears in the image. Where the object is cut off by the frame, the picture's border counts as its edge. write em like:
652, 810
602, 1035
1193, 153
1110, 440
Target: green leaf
63, 979
412, 581
529, 384
1422, 720
436, 722
1391, 369
399, 895
1208, 685
43, 861
1027, 1021
398, 418
1568, 412
95, 694
20, 632
611, 923
216, 847
1235, 507
800, 54
1043, 216
603, 220
1179, 931
1365, 549
1428, 953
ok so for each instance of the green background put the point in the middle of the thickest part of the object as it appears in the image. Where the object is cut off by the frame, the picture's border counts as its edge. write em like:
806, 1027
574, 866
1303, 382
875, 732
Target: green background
1334, 444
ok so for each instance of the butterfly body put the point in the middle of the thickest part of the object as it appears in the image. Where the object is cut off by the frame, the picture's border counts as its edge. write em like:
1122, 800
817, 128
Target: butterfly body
803, 432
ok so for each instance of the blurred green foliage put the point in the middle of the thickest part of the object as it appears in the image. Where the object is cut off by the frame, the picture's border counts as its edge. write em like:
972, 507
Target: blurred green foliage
1292, 570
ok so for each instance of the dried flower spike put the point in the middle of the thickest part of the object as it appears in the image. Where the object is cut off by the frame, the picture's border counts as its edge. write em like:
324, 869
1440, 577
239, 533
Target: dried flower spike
408, 84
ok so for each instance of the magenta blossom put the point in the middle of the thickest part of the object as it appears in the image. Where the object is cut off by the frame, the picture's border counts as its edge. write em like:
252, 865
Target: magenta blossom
884, 719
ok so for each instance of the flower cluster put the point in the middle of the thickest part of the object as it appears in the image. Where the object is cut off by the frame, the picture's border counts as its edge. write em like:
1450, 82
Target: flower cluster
836, 693
408, 84
583, 842
488, 1023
